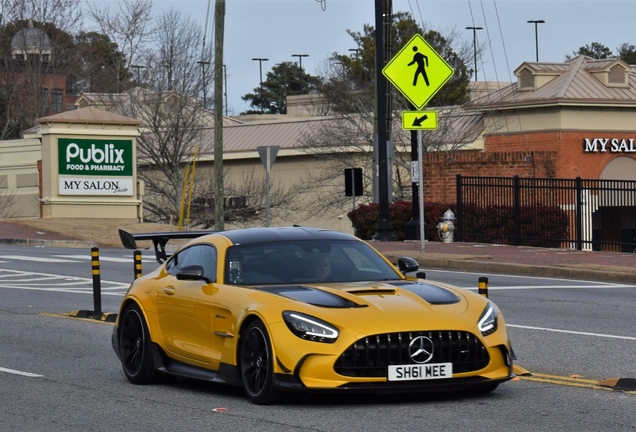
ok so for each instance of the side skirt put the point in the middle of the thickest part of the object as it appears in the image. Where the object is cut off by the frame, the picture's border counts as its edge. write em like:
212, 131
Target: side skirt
226, 374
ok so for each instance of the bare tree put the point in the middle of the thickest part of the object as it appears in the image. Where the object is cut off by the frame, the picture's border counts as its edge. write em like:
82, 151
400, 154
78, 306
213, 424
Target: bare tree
244, 203
37, 47
131, 27
173, 118
7, 200
346, 139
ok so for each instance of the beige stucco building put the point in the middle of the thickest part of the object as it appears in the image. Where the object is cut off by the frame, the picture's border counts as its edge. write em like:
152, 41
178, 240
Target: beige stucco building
545, 124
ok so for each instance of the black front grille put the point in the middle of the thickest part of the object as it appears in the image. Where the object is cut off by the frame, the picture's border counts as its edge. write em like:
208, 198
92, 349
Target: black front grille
370, 356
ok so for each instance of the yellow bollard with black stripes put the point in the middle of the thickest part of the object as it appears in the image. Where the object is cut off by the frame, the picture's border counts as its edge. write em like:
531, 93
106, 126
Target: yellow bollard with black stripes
137, 258
483, 286
97, 284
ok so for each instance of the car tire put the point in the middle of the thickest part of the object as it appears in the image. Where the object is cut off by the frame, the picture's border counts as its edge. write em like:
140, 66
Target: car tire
135, 347
257, 365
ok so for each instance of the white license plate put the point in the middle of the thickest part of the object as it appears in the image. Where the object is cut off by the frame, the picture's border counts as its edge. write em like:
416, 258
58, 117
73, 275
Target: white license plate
420, 372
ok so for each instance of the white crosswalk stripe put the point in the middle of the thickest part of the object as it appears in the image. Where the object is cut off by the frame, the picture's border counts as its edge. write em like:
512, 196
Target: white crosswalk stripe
16, 279
37, 259
104, 258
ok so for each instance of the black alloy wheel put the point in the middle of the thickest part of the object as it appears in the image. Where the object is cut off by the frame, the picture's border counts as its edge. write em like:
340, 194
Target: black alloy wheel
257, 369
135, 349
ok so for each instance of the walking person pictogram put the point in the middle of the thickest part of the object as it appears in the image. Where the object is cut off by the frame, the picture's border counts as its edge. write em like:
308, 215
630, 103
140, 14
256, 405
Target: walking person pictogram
422, 63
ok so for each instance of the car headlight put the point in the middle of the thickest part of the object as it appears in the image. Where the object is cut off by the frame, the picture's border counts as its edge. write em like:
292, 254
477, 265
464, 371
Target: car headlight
488, 320
310, 328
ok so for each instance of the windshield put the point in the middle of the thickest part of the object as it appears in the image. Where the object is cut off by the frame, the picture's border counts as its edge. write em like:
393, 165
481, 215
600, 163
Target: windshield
305, 261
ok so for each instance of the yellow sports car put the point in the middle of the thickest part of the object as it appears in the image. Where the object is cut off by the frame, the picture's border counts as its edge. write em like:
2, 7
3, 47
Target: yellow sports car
300, 309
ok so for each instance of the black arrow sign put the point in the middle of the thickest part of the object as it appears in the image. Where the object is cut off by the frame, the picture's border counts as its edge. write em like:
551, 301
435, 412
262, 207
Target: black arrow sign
419, 121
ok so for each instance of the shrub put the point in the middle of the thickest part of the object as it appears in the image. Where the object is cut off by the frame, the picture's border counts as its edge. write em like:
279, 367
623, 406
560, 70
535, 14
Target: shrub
540, 225
365, 218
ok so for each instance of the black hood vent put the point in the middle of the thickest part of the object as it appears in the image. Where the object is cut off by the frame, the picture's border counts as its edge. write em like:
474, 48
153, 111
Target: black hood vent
311, 295
431, 293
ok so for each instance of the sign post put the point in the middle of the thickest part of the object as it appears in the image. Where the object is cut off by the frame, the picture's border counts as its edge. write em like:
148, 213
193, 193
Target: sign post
268, 156
353, 183
418, 72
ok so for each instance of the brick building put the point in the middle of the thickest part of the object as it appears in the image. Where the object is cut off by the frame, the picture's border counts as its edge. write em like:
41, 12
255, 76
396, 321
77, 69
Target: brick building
559, 120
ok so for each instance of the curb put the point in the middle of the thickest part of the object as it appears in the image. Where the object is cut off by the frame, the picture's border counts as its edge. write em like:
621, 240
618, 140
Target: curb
472, 265
49, 243
86, 314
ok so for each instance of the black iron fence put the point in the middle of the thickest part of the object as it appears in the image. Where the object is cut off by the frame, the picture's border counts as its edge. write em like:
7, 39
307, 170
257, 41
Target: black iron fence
562, 213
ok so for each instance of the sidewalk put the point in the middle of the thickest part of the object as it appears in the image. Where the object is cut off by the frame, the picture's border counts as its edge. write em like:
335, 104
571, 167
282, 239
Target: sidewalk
14, 234
472, 257
517, 260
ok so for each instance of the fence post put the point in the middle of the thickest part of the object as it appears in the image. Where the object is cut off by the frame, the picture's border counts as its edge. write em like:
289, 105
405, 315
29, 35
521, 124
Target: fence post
459, 209
579, 214
97, 284
137, 259
517, 210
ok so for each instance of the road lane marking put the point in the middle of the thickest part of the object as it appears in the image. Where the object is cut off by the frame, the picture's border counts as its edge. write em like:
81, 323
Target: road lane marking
37, 259
595, 284
17, 372
567, 381
530, 287
17, 279
571, 332
105, 258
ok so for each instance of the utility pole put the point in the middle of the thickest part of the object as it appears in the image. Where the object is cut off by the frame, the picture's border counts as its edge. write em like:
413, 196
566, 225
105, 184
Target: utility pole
219, 25
384, 228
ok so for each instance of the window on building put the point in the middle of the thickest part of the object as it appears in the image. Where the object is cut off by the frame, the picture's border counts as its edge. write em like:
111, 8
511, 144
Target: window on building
56, 100
526, 79
616, 75
44, 100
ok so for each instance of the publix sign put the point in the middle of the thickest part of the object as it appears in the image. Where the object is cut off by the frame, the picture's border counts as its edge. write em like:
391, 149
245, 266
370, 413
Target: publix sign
92, 157
95, 167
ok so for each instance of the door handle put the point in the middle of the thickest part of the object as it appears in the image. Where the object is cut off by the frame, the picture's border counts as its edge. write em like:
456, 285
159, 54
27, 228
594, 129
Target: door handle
169, 290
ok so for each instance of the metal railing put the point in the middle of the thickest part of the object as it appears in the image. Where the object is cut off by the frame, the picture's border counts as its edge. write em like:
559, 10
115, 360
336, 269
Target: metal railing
562, 213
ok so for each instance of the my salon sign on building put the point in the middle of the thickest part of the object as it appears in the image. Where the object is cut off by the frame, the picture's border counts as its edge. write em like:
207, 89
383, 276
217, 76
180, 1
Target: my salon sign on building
95, 167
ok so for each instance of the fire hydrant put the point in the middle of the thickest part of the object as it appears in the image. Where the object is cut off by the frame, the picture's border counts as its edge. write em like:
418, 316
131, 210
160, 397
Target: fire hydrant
446, 227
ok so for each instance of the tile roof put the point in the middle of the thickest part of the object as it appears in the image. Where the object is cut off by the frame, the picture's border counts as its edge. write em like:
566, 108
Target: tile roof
291, 134
89, 115
575, 83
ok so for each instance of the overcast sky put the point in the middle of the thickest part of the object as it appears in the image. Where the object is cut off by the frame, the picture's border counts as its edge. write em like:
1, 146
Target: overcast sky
276, 29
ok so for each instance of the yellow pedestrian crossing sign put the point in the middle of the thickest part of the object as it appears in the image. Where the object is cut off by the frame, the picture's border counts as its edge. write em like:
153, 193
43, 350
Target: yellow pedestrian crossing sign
418, 71
419, 120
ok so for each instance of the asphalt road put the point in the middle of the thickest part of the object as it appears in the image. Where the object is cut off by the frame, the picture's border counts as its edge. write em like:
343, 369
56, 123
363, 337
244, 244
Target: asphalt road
60, 373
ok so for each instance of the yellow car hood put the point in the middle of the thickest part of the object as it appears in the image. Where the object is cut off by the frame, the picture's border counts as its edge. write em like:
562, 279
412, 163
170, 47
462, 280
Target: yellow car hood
385, 303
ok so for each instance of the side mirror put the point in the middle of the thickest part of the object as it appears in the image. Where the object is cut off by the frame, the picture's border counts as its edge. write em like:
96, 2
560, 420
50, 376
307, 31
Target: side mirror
192, 272
407, 264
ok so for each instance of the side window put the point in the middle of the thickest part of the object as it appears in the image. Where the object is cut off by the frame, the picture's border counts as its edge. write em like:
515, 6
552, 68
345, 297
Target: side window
203, 255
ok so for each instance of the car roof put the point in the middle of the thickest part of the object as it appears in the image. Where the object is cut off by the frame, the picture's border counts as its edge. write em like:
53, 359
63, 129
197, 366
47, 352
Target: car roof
264, 235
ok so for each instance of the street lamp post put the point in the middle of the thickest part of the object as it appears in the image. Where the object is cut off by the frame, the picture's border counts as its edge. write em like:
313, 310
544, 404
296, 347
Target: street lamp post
225, 87
260, 61
205, 84
300, 60
536, 34
474, 29
138, 76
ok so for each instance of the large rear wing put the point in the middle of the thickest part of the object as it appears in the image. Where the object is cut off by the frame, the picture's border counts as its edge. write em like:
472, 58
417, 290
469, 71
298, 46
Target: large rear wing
159, 240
